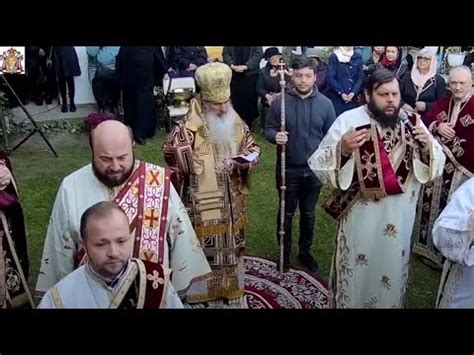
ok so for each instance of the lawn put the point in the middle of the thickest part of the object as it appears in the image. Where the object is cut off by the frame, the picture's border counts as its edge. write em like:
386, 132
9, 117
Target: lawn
39, 174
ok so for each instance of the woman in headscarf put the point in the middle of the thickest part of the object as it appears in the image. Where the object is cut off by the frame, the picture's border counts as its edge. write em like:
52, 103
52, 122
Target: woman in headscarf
391, 59
321, 68
422, 86
268, 86
371, 64
344, 78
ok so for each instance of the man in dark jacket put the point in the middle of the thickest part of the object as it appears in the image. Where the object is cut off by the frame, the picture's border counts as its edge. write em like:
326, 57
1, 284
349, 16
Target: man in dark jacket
309, 114
245, 65
188, 59
169, 55
67, 67
41, 74
140, 69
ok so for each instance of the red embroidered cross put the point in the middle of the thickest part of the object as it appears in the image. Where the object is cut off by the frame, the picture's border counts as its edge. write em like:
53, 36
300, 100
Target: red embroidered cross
150, 217
154, 177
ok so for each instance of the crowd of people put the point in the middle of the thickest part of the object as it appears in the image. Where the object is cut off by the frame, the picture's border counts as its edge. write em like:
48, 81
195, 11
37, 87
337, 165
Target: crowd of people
391, 138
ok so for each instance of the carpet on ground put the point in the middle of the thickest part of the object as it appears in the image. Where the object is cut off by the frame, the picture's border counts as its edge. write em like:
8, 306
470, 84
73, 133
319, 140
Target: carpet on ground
265, 288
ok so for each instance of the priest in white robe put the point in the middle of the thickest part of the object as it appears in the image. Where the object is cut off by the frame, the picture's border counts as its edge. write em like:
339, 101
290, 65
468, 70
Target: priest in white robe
158, 219
453, 234
110, 278
377, 162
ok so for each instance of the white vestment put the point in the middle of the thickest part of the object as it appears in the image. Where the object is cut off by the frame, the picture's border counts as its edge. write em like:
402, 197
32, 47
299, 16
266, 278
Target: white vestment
371, 262
82, 288
79, 191
453, 236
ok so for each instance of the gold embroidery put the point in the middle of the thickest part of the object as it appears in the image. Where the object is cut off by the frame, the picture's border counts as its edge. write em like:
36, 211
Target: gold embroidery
456, 148
369, 164
426, 207
442, 117
466, 120
148, 255
390, 139
152, 216
154, 178
157, 280
449, 168
222, 228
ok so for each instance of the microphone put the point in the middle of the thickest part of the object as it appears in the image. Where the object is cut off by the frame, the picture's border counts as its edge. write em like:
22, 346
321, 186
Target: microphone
403, 117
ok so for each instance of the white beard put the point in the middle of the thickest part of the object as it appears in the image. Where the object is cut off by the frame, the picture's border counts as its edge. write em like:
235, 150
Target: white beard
221, 129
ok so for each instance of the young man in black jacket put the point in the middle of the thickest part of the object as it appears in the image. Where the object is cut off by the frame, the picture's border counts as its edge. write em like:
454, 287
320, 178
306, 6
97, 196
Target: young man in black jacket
309, 114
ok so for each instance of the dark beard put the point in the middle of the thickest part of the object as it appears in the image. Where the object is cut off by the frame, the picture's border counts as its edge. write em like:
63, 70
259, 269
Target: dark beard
112, 182
381, 117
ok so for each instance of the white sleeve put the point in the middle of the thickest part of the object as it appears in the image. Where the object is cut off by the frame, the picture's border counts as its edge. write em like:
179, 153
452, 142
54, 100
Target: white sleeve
453, 229
59, 247
423, 172
455, 245
325, 162
46, 302
172, 298
187, 259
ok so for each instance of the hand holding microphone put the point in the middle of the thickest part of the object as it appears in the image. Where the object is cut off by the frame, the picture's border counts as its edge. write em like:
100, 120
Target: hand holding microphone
419, 133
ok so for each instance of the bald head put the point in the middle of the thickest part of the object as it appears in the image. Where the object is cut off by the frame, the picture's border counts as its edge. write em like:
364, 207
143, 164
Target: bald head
110, 131
112, 151
460, 82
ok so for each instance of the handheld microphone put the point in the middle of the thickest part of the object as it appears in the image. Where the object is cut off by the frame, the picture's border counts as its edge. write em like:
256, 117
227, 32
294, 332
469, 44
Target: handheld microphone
403, 117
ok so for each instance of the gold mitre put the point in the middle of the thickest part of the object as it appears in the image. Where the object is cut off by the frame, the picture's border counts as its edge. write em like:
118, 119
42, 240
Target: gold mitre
214, 81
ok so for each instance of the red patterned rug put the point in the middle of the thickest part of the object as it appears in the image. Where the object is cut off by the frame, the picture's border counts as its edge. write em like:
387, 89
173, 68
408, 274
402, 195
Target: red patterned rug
265, 288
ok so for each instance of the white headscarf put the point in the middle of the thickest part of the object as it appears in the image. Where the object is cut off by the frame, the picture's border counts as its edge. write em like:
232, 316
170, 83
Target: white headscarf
420, 79
344, 54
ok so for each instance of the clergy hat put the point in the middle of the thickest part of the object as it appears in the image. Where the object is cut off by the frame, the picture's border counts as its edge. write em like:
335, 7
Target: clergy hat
214, 81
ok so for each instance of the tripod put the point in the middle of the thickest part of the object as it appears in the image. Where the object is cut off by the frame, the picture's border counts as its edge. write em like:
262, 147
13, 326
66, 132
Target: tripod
35, 125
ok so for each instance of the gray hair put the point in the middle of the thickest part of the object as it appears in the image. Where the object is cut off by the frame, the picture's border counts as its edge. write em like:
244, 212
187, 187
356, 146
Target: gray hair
463, 68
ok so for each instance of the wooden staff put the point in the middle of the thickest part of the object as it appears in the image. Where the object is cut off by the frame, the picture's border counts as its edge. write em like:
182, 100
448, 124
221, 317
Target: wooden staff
281, 71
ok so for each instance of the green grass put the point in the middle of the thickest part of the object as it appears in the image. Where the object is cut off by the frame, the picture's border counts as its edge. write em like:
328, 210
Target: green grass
39, 174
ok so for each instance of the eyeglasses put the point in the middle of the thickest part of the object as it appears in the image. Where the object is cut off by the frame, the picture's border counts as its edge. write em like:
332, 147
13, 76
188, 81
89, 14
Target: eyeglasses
424, 58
